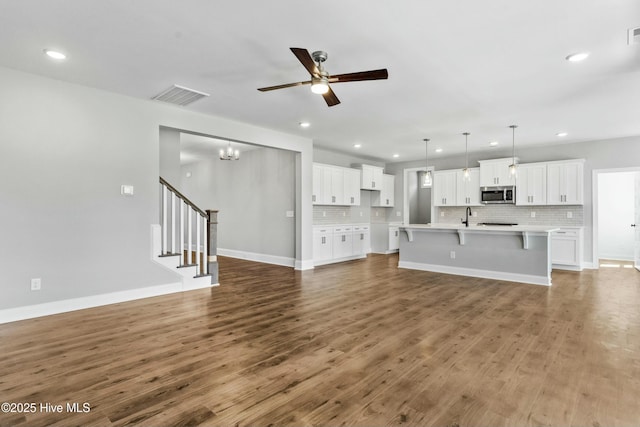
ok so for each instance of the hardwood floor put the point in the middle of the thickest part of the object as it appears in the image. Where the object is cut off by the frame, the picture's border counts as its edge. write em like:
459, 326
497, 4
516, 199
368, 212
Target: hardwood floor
358, 343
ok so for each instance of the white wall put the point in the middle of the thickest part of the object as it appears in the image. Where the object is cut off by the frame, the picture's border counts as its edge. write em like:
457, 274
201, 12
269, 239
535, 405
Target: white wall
252, 195
616, 206
65, 151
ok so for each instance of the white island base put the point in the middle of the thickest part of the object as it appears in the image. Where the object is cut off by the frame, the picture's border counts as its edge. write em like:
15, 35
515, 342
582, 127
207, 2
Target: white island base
512, 253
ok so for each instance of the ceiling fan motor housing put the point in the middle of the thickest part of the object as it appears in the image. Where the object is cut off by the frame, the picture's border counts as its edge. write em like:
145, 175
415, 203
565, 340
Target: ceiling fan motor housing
319, 56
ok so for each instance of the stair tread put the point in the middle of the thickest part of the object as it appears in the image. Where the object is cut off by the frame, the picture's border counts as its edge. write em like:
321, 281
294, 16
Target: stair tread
187, 265
167, 255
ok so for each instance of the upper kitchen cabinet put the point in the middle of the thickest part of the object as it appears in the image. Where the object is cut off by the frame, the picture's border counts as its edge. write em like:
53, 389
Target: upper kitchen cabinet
351, 187
531, 186
334, 185
444, 188
468, 191
371, 177
496, 172
565, 182
385, 198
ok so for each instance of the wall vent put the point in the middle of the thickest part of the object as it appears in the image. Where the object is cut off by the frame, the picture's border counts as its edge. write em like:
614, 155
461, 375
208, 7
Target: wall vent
179, 95
634, 36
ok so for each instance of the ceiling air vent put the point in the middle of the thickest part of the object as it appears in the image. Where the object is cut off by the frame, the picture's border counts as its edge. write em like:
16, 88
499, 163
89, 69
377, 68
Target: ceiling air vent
179, 95
634, 36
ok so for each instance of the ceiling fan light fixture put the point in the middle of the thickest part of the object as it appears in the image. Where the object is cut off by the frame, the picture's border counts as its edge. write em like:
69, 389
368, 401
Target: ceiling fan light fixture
320, 85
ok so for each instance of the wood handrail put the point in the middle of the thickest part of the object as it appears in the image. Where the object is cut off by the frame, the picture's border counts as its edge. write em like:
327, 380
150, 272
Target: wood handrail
183, 197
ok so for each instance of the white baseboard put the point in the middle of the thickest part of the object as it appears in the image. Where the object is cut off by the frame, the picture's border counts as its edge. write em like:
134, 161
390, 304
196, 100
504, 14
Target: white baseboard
590, 266
336, 260
304, 265
64, 306
485, 274
253, 256
567, 267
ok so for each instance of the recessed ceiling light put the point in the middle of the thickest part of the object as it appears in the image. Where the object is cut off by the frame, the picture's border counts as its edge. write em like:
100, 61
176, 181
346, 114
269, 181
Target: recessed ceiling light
357, 145
304, 124
493, 143
438, 150
54, 54
561, 134
577, 57
396, 155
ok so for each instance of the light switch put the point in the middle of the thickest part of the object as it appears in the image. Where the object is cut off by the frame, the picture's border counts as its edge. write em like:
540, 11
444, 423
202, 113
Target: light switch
126, 190
289, 214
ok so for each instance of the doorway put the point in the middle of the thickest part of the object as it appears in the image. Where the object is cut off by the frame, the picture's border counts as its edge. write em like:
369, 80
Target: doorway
418, 208
616, 237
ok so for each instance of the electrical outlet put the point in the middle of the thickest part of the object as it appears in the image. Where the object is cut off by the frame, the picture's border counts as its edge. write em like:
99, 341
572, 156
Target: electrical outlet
377, 213
474, 213
289, 214
361, 213
36, 284
441, 213
533, 214
452, 254
569, 215
324, 213
398, 213
344, 213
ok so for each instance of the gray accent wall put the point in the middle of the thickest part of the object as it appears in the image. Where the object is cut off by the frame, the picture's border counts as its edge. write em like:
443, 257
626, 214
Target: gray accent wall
65, 150
606, 154
252, 196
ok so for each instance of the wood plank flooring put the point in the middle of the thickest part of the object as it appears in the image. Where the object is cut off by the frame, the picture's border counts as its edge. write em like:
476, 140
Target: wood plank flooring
359, 343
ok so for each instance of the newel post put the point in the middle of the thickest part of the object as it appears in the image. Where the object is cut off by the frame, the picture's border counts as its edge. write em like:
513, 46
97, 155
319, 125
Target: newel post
212, 245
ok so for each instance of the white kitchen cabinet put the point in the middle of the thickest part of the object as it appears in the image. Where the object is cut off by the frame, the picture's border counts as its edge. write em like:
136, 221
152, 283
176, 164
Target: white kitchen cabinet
468, 191
444, 188
371, 177
531, 184
317, 194
335, 185
342, 242
495, 172
351, 187
566, 248
386, 196
565, 182
394, 238
361, 239
322, 244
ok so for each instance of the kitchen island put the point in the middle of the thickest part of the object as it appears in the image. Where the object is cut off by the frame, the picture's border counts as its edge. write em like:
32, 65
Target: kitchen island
515, 253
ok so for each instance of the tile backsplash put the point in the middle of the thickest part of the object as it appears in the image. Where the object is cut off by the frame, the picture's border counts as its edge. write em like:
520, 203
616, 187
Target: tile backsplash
544, 215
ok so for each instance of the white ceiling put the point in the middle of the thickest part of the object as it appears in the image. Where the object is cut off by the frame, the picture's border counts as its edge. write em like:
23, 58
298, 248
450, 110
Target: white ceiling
454, 66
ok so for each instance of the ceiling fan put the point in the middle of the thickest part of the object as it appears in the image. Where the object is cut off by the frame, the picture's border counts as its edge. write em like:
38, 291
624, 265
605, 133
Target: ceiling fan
320, 78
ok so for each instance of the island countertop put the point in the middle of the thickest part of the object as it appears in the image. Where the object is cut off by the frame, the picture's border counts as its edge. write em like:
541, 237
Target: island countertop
483, 228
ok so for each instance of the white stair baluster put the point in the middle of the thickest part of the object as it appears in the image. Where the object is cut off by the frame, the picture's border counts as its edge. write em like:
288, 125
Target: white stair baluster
205, 261
189, 235
182, 232
173, 222
197, 244
164, 219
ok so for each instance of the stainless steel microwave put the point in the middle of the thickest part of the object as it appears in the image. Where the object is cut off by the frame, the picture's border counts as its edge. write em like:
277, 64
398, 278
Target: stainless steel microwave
489, 195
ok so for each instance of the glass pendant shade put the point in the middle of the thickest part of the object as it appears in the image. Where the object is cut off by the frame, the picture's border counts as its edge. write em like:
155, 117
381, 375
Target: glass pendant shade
427, 178
513, 167
465, 172
320, 86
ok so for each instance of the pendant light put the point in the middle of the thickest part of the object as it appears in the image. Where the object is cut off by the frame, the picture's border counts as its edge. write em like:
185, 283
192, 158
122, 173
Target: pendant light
513, 167
465, 171
427, 180
229, 153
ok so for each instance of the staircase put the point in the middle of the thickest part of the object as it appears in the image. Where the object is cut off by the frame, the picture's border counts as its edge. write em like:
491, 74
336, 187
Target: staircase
185, 239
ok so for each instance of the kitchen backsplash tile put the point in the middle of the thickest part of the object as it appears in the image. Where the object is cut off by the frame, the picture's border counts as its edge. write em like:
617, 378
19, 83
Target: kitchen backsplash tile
544, 215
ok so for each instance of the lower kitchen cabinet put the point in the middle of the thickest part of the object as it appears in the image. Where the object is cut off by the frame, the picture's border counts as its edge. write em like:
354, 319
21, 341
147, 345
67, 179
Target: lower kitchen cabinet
566, 248
337, 243
394, 238
385, 238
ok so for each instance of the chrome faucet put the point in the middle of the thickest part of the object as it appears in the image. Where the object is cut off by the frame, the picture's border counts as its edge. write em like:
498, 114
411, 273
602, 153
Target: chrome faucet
466, 220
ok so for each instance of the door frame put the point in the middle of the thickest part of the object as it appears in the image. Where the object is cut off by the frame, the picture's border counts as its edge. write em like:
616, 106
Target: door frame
405, 191
594, 207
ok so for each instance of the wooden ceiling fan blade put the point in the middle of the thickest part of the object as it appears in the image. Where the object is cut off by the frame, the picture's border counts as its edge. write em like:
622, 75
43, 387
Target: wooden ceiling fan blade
265, 89
305, 58
360, 76
331, 98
